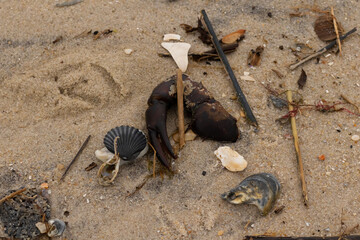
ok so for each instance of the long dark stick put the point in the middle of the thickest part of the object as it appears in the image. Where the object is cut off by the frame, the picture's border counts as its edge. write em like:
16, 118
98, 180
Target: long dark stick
350, 237
76, 157
321, 51
241, 97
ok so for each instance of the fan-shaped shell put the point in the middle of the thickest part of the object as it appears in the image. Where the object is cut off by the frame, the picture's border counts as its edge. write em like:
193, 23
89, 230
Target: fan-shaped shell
131, 142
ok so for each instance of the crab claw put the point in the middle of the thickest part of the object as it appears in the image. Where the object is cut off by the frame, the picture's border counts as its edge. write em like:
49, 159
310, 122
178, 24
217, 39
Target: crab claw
156, 124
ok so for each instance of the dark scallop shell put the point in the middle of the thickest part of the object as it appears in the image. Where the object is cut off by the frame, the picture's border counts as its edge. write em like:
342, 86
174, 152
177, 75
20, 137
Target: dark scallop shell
131, 144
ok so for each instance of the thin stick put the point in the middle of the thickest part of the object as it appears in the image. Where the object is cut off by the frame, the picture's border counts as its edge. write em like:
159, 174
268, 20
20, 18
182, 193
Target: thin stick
180, 103
321, 51
76, 157
336, 29
297, 148
350, 237
12, 195
241, 97
154, 158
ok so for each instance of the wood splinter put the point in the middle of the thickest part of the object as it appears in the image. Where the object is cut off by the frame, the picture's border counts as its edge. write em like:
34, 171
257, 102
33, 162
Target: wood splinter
297, 147
336, 30
180, 103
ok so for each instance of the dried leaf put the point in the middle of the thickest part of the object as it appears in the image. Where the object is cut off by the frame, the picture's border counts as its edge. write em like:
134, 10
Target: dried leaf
302, 80
91, 166
187, 28
233, 37
324, 28
254, 57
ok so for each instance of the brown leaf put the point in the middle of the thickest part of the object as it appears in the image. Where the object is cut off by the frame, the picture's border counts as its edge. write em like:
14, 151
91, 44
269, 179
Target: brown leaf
324, 28
91, 166
233, 37
279, 74
187, 28
254, 57
302, 80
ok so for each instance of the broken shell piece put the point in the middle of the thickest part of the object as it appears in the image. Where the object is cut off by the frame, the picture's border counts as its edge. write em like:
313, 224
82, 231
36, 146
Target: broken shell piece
260, 189
179, 51
41, 226
230, 159
324, 28
247, 78
171, 36
233, 37
128, 51
104, 154
131, 143
57, 227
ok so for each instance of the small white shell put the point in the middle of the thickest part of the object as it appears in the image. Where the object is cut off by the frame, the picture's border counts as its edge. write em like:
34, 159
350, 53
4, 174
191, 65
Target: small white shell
104, 154
179, 51
230, 159
128, 51
171, 36
355, 138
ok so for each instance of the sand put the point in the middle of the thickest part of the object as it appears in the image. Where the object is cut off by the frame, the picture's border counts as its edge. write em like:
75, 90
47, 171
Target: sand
53, 95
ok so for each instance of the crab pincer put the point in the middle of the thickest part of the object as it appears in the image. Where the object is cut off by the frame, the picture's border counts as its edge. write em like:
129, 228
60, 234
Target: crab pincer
209, 119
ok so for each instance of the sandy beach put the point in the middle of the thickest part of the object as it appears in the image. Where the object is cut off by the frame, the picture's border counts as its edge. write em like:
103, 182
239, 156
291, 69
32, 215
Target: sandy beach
56, 93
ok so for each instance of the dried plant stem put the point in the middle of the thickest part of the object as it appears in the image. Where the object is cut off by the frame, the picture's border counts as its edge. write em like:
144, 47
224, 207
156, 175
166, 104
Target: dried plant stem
321, 51
350, 102
336, 29
154, 158
76, 157
297, 148
180, 103
12, 195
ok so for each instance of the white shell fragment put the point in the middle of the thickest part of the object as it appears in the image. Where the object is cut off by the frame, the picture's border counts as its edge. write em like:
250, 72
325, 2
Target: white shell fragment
41, 226
179, 51
103, 154
247, 78
230, 159
355, 138
171, 36
128, 51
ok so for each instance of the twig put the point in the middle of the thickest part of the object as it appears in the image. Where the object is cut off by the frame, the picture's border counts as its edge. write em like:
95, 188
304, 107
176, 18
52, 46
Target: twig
241, 97
154, 158
180, 103
297, 148
11, 195
321, 51
351, 237
336, 29
76, 156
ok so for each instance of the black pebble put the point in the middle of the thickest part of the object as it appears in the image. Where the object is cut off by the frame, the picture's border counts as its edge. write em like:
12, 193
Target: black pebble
203, 173
269, 14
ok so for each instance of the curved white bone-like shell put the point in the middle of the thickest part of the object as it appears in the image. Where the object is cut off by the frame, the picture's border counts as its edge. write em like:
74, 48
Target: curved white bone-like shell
179, 51
171, 36
230, 159
103, 154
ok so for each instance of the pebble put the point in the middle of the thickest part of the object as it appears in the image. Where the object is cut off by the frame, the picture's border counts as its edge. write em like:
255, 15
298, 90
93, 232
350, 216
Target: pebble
128, 51
307, 224
355, 138
220, 233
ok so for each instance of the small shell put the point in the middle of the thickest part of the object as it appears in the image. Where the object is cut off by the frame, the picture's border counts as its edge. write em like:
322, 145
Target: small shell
104, 154
57, 227
260, 189
230, 159
233, 37
131, 142
171, 36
